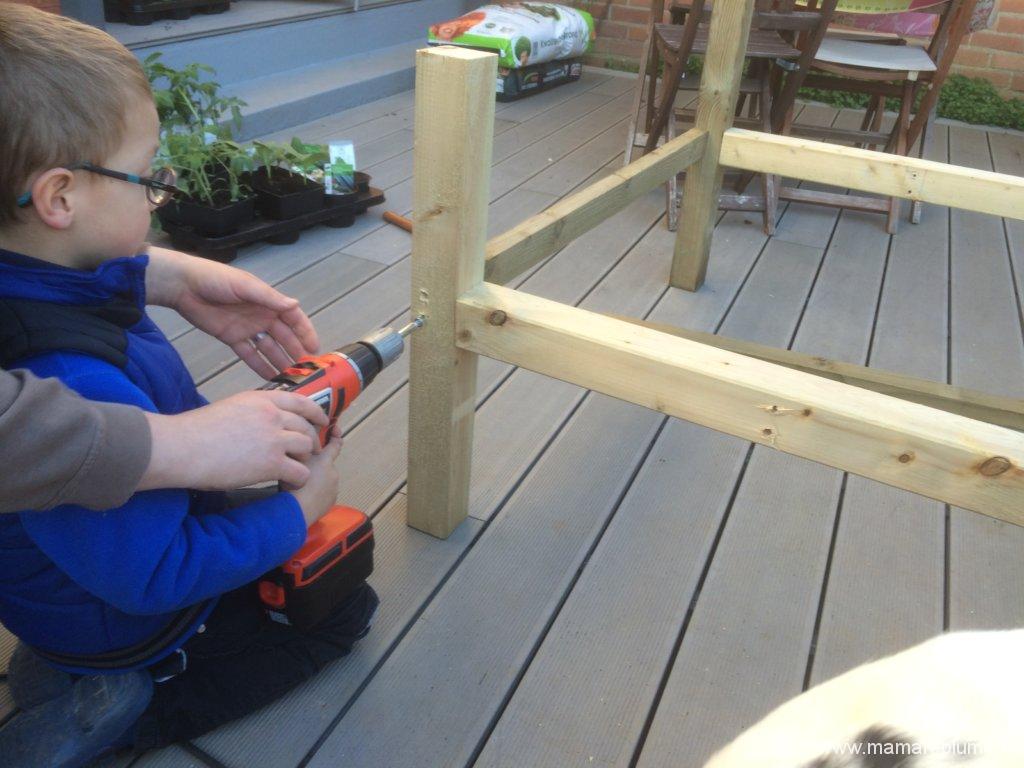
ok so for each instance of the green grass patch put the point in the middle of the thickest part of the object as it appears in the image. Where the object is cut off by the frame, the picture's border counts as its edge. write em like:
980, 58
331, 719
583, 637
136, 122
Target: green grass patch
971, 100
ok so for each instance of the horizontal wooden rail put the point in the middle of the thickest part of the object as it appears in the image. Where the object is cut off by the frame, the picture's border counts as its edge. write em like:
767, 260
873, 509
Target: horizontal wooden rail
885, 174
1002, 411
538, 237
940, 455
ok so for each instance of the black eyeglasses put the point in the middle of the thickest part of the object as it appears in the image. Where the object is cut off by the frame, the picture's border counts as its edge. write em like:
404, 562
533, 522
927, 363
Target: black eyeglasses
159, 187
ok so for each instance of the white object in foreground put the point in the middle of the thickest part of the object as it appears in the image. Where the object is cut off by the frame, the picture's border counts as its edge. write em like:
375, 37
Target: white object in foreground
955, 700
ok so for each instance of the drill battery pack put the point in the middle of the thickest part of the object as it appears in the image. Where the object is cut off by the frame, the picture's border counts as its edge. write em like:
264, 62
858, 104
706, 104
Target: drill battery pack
336, 558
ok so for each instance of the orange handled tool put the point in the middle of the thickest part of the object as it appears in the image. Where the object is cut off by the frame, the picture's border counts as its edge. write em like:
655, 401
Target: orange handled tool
335, 379
338, 553
399, 221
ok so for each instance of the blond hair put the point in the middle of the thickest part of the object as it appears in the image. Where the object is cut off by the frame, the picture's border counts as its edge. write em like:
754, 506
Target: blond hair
65, 91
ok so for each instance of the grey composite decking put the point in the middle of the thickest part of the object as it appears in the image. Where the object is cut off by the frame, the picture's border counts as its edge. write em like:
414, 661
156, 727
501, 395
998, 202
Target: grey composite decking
632, 590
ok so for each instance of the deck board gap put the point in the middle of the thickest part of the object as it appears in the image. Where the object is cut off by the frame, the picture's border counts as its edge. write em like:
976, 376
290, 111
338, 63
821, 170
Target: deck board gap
878, 303
201, 755
813, 650
549, 623
691, 608
814, 283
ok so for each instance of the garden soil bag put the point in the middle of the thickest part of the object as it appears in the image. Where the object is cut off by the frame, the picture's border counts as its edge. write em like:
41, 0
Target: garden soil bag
522, 34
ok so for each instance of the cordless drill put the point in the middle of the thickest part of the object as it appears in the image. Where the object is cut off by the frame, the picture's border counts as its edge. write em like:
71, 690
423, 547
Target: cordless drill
338, 553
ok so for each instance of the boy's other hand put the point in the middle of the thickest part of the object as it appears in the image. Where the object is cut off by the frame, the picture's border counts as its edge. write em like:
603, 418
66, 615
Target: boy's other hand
319, 493
251, 437
232, 306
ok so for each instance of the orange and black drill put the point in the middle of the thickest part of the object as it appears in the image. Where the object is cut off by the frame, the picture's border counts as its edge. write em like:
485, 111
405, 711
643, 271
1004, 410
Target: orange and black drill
338, 553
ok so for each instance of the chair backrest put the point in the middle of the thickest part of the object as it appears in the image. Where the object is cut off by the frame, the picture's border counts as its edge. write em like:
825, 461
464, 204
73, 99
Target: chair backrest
949, 29
780, 15
949, 11
938, 36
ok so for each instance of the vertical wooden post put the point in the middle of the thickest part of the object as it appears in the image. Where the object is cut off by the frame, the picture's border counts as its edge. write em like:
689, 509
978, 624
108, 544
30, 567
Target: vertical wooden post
720, 83
451, 186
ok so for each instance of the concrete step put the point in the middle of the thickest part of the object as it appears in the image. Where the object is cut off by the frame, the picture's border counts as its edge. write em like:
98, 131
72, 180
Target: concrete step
277, 102
293, 71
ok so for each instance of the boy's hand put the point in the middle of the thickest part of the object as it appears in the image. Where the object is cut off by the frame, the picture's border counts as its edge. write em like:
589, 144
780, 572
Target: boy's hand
233, 306
319, 493
247, 438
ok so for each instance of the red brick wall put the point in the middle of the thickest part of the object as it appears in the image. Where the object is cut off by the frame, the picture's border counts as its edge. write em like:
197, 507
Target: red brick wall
621, 27
997, 53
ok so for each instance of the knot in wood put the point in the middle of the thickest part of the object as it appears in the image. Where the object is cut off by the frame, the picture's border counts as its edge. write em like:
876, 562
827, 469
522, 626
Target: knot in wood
497, 317
995, 466
906, 458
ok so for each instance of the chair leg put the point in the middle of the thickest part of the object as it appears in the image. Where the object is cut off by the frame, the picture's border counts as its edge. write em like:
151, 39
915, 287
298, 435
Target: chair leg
672, 185
926, 134
879, 113
653, 65
638, 97
902, 127
869, 113
769, 182
669, 89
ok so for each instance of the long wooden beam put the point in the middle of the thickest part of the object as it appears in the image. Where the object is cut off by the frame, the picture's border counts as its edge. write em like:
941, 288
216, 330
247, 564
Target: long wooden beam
981, 406
885, 174
515, 251
940, 455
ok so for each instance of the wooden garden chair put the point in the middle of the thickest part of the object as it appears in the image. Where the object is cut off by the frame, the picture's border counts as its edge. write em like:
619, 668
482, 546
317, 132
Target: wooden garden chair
907, 72
775, 68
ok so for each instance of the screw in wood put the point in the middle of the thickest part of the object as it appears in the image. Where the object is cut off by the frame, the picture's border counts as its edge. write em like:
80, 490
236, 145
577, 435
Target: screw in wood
497, 317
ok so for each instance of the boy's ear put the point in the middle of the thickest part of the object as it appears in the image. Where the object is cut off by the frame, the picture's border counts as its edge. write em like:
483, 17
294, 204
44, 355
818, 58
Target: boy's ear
52, 198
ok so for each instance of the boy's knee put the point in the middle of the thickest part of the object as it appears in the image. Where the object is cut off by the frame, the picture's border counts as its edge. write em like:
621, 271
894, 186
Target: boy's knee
108, 699
351, 619
95, 699
32, 680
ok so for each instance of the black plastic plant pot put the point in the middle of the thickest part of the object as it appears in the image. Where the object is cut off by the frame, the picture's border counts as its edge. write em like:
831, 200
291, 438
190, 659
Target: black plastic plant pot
144, 12
362, 182
285, 195
208, 221
339, 201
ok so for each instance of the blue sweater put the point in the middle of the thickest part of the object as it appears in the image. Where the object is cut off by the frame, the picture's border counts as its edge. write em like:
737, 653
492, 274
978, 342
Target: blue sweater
83, 582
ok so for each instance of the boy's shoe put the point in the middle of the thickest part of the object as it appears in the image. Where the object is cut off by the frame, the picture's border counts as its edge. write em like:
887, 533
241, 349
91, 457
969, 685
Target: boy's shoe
78, 724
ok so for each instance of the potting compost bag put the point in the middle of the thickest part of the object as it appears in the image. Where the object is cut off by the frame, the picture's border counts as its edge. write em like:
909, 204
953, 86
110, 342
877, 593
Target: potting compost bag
520, 33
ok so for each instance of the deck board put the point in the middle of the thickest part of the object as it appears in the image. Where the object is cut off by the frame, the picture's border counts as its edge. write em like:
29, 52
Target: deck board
744, 648
586, 696
888, 539
986, 352
632, 590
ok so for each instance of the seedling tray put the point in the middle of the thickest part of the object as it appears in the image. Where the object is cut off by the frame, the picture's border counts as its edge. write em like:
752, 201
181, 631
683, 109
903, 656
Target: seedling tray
284, 232
140, 13
514, 84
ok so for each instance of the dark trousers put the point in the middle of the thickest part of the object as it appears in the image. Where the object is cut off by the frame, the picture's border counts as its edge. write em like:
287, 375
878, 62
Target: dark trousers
243, 661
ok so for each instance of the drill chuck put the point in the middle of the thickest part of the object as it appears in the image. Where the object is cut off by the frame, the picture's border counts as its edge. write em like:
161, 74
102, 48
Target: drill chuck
388, 345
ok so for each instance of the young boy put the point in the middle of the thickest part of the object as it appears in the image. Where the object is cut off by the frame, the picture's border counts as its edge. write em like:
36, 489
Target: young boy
161, 588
